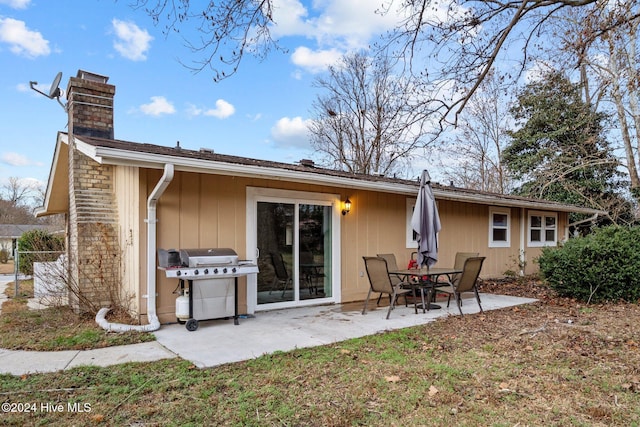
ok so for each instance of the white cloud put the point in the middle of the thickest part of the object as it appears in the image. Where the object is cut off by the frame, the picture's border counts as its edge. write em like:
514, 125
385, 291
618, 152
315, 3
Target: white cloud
132, 41
336, 27
158, 106
222, 111
351, 22
22, 41
290, 18
16, 4
291, 132
15, 159
315, 61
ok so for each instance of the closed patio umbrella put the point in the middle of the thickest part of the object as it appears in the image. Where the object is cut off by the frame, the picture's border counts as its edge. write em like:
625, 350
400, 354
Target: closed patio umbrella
426, 223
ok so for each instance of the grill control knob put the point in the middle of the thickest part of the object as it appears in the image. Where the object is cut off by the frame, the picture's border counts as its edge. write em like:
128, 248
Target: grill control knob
206, 271
215, 271
178, 273
224, 270
233, 270
196, 272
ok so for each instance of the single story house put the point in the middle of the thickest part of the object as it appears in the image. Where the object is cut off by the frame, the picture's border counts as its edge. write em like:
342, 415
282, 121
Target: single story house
125, 200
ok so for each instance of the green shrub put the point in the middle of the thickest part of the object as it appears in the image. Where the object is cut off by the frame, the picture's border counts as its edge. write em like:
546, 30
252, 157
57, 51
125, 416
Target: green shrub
38, 241
603, 266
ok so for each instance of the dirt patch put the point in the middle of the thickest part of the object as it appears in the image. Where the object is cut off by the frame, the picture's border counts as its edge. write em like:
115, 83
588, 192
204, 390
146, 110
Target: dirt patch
7, 268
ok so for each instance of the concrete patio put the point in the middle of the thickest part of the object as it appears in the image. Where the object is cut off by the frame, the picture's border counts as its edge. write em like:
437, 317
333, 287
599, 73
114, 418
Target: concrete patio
218, 342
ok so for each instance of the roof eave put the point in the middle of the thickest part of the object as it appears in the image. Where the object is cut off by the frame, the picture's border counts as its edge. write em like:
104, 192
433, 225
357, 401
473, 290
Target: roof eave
497, 200
116, 156
58, 181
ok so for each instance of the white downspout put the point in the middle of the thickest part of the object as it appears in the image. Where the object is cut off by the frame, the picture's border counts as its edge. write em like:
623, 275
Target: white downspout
522, 255
154, 323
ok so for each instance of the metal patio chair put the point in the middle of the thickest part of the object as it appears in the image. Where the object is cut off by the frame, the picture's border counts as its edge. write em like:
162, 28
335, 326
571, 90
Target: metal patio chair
281, 273
465, 282
461, 257
379, 281
392, 265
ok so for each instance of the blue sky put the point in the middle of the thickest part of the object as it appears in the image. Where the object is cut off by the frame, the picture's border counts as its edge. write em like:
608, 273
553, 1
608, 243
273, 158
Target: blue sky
260, 112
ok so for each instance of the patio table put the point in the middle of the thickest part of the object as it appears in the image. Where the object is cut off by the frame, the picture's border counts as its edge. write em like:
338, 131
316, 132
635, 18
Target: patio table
432, 275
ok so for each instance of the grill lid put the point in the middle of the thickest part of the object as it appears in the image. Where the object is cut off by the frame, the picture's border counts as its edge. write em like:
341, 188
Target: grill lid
208, 257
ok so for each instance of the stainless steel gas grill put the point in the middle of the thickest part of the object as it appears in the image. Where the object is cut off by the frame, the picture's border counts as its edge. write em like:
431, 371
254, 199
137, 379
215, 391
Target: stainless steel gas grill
212, 278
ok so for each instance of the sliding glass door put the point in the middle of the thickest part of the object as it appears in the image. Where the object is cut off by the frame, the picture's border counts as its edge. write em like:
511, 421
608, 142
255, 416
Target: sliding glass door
275, 225
295, 237
314, 251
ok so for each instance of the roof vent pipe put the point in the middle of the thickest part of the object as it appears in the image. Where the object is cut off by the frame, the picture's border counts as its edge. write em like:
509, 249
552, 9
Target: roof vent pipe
154, 323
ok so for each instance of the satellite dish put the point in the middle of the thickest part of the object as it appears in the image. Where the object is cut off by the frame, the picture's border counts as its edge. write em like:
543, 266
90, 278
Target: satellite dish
54, 90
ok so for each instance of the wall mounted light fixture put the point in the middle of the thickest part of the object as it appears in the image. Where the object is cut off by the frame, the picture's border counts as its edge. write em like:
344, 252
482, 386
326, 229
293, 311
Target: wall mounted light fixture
347, 207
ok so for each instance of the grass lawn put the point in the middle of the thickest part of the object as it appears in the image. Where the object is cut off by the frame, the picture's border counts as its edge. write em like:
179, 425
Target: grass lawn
552, 363
53, 328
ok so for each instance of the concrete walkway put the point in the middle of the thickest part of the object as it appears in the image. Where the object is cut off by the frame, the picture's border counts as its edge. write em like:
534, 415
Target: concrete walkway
218, 342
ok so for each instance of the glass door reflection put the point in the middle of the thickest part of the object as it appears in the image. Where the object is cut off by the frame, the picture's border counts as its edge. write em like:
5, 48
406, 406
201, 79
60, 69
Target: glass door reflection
294, 241
275, 243
314, 236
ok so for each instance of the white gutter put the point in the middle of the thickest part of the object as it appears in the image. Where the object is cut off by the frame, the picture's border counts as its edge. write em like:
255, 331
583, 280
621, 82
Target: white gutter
154, 323
117, 156
522, 256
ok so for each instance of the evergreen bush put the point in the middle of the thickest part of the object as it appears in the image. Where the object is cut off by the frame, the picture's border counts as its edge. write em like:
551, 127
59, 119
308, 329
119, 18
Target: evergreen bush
603, 266
38, 241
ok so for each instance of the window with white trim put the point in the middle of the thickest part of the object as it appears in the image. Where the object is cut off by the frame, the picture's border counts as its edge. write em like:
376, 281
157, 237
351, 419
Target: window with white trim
542, 229
410, 234
499, 228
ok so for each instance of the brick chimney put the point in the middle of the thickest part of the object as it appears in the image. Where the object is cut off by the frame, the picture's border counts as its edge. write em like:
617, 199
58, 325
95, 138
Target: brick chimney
90, 105
94, 250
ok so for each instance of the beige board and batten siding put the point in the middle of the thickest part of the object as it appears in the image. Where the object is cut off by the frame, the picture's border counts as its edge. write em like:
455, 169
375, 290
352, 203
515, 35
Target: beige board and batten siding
132, 236
196, 211
207, 210
377, 224
466, 228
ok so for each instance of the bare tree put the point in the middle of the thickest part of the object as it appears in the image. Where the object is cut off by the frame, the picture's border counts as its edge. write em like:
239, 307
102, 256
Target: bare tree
459, 41
18, 199
229, 29
467, 38
608, 72
19, 191
481, 137
10, 213
366, 123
